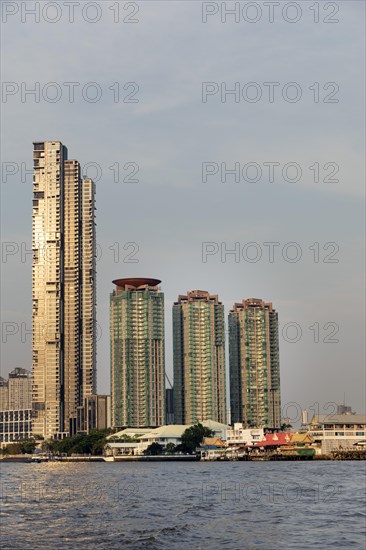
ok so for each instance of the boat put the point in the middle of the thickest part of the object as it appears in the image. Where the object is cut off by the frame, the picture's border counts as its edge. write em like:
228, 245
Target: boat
38, 458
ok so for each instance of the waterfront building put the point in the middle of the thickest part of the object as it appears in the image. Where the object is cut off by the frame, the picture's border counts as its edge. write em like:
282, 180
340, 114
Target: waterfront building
239, 435
273, 441
199, 358
337, 431
63, 290
162, 435
137, 353
132, 441
15, 425
254, 364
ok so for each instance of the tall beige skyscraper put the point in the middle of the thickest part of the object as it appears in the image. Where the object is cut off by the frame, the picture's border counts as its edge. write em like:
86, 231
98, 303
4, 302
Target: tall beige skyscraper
199, 358
63, 290
137, 353
255, 396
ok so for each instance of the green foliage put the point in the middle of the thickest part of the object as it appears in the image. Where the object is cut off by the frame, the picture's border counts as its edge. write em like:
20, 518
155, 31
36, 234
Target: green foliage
285, 427
24, 446
170, 448
92, 443
125, 438
154, 449
193, 437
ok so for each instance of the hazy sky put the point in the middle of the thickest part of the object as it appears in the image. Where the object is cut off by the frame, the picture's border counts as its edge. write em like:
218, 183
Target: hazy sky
169, 132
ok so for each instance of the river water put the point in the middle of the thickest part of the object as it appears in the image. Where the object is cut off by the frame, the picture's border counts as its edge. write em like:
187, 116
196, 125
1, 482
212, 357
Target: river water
217, 505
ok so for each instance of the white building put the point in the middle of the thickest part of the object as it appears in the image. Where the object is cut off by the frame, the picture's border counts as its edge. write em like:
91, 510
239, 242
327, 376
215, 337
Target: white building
163, 436
120, 443
239, 435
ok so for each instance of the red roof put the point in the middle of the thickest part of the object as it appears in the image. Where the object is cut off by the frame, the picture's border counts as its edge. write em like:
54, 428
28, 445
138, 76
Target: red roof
275, 439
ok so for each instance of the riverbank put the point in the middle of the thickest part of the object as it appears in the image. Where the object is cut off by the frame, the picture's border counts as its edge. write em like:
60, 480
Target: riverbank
336, 455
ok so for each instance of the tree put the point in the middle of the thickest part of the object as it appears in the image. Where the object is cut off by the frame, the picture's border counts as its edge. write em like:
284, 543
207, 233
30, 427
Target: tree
92, 443
193, 437
154, 449
170, 448
21, 447
285, 426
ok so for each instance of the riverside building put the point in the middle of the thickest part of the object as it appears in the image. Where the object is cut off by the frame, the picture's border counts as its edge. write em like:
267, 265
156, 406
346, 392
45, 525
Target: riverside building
199, 358
254, 365
137, 353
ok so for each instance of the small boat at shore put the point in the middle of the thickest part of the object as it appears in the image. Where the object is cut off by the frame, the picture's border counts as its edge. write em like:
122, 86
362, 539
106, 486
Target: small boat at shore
38, 458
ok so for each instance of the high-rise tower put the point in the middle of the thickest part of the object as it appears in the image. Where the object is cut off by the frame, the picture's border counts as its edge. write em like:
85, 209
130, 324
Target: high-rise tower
255, 397
137, 353
63, 290
199, 358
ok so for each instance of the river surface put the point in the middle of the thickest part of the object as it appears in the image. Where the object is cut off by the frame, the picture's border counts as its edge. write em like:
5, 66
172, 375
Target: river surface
177, 506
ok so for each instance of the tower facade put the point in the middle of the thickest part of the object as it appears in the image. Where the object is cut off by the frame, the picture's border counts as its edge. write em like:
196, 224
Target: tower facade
199, 358
63, 290
137, 353
255, 396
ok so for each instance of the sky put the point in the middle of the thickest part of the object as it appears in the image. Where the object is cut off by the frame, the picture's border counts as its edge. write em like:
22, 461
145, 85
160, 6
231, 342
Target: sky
168, 98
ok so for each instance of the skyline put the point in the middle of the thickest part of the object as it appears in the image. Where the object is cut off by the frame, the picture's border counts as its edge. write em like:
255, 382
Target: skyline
169, 134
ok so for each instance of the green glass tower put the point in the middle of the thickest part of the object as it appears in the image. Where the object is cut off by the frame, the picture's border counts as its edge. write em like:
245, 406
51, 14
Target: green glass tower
137, 354
255, 397
199, 358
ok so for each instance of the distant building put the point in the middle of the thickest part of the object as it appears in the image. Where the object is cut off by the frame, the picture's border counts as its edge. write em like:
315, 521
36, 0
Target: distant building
15, 425
20, 389
137, 353
95, 414
4, 394
16, 392
255, 396
337, 431
169, 406
199, 358
344, 409
16, 406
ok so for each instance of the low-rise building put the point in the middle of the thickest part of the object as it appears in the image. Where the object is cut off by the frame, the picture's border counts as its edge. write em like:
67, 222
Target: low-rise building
241, 436
144, 437
300, 444
15, 426
212, 448
163, 436
273, 441
128, 434
337, 431
123, 448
